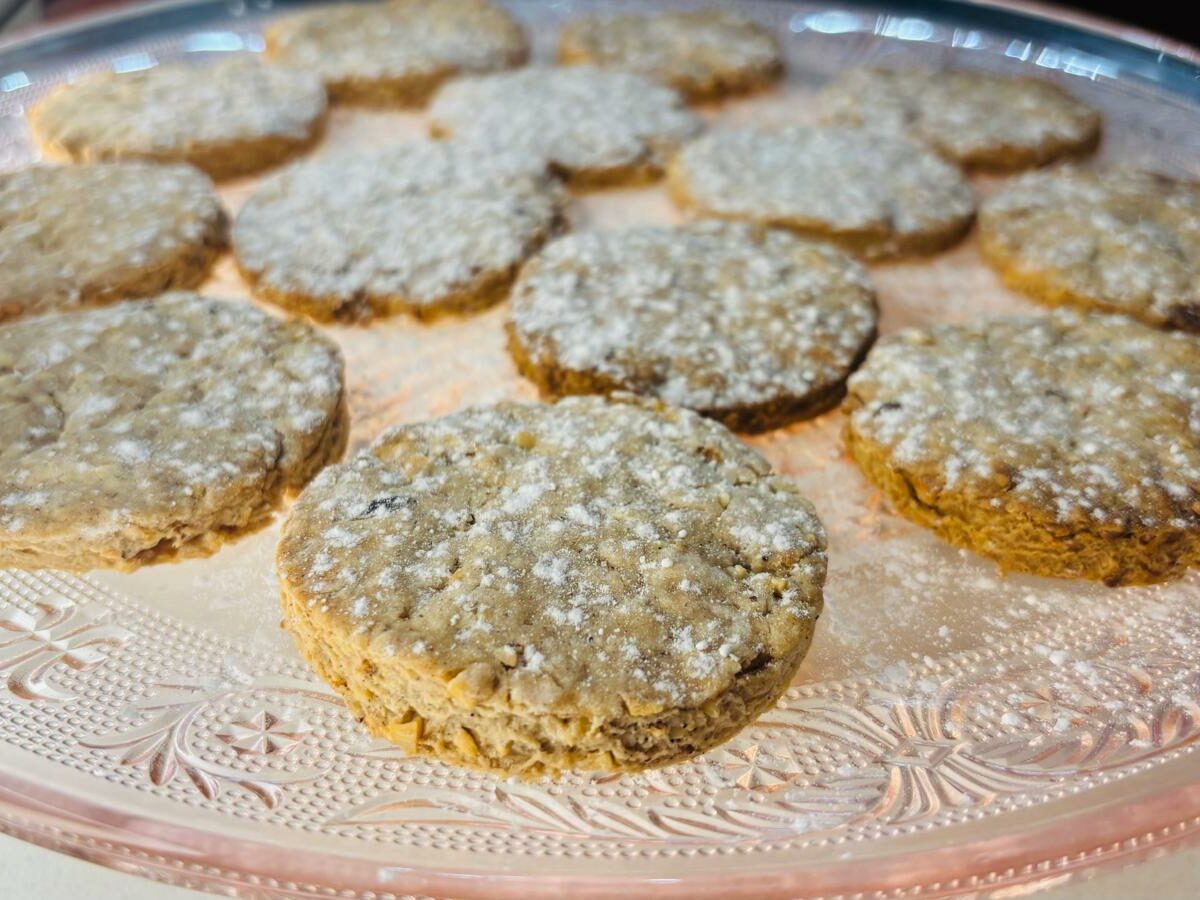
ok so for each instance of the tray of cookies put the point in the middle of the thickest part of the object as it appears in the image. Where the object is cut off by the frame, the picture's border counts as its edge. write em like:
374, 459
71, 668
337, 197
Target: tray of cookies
520, 449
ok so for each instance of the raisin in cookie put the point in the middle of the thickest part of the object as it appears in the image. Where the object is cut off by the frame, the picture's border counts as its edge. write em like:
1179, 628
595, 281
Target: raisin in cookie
81, 235
428, 228
234, 117
876, 195
1066, 445
598, 127
397, 53
1120, 241
528, 589
704, 54
157, 429
753, 327
973, 118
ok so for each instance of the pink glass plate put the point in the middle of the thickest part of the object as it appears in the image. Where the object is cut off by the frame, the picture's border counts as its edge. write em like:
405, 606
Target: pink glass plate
952, 732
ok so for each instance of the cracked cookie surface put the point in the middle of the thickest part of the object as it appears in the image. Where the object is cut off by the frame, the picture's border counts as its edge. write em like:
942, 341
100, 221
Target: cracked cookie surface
595, 126
977, 119
704, 54
875, 195
427, 228
1066, 445
157, 429
85, 235
399, 52
232, 118
751, 326
1116, 240
534, 588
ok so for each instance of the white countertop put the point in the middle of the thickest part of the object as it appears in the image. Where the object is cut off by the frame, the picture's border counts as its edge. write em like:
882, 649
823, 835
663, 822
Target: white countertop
31, 873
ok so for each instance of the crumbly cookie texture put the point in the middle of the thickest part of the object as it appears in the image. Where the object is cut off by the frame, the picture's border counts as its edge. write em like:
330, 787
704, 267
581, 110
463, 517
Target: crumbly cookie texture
157, 429
397, 53
753, 327
234, 117
1117, 240
978, 119
82, 235
428, 228
528, 589
595, 126
876, 195
703, 54
1064, 445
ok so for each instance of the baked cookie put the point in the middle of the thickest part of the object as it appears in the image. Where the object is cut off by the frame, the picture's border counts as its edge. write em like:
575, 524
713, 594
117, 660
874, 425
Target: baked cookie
977, 119
426, 227
753, 327
703, 54
397, 53
232, 118
595, 126
876, 195
1065, 445
80, 235
157, 429
1120, 241
528, 589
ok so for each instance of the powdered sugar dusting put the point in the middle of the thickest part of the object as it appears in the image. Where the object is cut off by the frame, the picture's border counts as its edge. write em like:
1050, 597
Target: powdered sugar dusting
1117, 239
710, 316
1096, 418
581, 119
416, 226
878, 192
598, 540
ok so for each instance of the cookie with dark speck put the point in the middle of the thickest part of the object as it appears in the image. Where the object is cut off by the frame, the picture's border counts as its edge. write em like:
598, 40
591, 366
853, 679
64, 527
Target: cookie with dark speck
753, 327
1065, 445
157, 429
529, 589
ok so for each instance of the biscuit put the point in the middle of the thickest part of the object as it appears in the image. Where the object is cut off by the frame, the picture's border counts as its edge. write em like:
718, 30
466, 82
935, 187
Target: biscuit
83, 235
876, 195
1119, 241
977, 119
428, 228
528, 589
158, 429
595, 126
704, 54
753, 327
397, 53
235, 117
1062, 445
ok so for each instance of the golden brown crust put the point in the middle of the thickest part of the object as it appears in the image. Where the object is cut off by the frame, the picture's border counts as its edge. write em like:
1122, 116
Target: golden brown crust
78, 236
170, 427
397, 53
1060, 446
527, 589
753, 327
706, 55
982, 120
1116, 240
239, 117
876, 196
